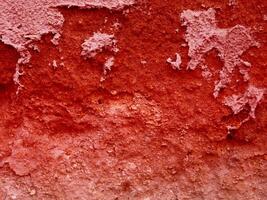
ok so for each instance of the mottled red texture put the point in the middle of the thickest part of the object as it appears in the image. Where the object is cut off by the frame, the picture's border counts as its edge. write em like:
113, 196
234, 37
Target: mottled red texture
147, 131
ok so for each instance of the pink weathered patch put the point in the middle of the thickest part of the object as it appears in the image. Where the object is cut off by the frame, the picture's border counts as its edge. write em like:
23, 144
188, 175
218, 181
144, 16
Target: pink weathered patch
22, 160
203, 35
251, 97
97, 43
108, 65
175, 64
46, 18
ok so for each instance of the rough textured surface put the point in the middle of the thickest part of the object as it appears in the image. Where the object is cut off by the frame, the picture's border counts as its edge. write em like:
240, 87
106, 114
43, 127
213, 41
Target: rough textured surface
22, 22
147, 131
252, 97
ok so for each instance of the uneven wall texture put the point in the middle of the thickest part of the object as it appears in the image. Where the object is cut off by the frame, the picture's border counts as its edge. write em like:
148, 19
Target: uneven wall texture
133, 99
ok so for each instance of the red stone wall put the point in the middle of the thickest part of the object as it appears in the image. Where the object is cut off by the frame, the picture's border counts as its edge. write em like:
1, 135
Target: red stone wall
79, 127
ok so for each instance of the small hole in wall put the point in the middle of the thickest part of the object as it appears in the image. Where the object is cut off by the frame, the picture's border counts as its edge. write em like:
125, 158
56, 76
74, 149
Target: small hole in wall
100, 101
126, 186
231, 134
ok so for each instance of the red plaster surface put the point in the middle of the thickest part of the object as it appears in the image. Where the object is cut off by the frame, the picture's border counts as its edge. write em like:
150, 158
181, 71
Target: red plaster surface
146, 131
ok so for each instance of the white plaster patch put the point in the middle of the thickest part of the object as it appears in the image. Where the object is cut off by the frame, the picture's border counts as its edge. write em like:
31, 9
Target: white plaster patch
97, 43
203, 35
176, 63
251, 97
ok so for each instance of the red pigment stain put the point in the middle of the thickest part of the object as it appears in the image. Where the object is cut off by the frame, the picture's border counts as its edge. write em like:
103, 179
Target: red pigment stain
98, 43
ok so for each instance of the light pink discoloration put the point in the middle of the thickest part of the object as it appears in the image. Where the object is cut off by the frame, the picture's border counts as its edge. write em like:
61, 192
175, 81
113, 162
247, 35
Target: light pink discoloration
21, 160
251, 97
108, 65
97, 43
203, 35
175, 64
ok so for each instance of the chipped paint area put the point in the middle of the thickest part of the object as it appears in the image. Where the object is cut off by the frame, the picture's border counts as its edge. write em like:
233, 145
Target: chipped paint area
108, 65
46, 18
251, 97
97, 43
175, 64
203, 35
18, 30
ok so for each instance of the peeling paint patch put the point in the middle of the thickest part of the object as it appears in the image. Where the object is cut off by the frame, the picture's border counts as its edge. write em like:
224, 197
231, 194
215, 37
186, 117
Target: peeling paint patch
17, 16
175, 64
47, 19
203, 35
16, 76
108, 65
34, 47
54, 64
251, 97
97, 43
22, 160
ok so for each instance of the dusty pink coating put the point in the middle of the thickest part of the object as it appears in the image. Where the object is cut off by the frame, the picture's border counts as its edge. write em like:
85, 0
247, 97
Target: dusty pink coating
203, 35
97, 43
251, 97
108, 65
175, 64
